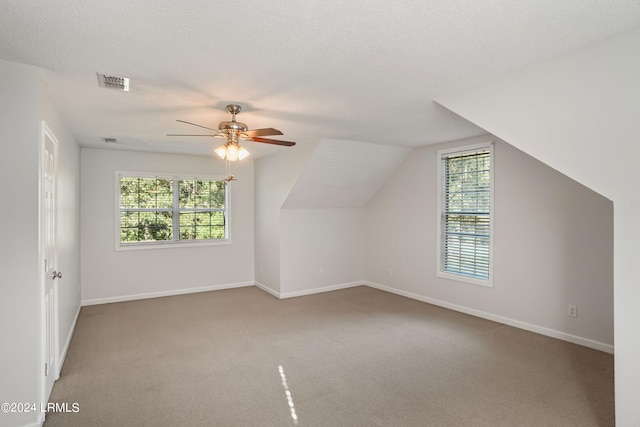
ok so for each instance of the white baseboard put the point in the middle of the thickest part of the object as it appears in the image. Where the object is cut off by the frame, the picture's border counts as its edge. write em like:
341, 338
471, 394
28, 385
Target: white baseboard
267, 289
63, 355
172, 292
320, 290
608, 348
294, 294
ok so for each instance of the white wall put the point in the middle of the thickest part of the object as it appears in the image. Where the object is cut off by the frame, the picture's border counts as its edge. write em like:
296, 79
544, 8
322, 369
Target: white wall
23, 106
110, 275
68, 220
275, 175
321, 223
321, 248
553, 241
20, 291
579, 114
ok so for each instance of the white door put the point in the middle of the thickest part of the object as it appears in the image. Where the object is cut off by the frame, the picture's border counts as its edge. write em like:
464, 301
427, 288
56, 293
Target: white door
49, 261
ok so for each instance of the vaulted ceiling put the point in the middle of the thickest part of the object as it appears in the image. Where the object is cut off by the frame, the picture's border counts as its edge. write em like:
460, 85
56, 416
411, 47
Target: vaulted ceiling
365, 71
344, 174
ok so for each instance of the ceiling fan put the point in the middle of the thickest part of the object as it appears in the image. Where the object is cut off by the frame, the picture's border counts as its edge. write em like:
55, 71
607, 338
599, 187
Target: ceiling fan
235, 131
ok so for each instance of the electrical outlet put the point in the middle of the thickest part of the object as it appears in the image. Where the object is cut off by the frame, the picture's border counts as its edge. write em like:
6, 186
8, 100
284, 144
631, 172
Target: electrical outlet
389, 272
320, 273
573, 311
262, 269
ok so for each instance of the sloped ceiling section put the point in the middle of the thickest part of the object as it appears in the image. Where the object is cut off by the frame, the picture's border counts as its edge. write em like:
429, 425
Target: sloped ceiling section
565, 111
344, 174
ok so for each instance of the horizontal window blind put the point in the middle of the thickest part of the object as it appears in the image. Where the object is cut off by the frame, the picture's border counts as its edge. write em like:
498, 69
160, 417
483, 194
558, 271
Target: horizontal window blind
466, 213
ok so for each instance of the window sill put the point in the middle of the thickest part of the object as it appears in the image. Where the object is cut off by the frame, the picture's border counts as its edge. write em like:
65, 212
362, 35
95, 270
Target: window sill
171, 244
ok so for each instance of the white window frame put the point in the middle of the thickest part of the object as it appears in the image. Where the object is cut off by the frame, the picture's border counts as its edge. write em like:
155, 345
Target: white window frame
119, 246
488, 145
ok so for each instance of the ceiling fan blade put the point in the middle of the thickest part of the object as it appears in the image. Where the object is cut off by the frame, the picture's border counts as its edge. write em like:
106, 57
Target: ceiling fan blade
262, 132
200, 126
273, 141
182, 134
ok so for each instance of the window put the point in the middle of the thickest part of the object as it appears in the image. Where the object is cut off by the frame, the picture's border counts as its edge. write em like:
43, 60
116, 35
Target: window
465, 219
158, 210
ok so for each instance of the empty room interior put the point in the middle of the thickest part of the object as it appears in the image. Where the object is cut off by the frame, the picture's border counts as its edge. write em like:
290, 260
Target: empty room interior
320, 214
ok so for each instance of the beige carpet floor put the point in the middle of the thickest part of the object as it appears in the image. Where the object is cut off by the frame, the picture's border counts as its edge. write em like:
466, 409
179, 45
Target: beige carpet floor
355, 357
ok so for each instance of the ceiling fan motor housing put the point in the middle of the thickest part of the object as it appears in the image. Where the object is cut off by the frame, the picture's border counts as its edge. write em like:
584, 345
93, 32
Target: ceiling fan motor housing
232, 126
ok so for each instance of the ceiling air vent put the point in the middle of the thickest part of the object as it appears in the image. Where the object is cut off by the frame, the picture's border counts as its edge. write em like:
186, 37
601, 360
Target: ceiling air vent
113, 82
109, 140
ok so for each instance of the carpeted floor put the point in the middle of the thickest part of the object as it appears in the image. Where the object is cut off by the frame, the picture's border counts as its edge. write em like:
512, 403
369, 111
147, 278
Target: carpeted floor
355, 357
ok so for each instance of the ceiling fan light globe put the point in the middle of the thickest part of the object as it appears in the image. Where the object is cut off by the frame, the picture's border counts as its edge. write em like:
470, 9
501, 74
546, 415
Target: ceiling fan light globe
242, 153
232, 153
221, 151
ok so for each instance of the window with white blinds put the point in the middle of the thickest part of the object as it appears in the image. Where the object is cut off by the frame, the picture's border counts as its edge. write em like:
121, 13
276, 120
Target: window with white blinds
466, 214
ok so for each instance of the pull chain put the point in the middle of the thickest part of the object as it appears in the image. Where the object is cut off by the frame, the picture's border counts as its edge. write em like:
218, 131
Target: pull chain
229, 176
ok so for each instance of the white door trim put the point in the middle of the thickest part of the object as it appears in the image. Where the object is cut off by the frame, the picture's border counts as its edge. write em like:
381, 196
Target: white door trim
46, 135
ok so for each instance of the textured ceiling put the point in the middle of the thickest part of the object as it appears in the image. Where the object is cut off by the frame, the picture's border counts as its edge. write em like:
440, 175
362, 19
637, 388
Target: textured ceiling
362, 70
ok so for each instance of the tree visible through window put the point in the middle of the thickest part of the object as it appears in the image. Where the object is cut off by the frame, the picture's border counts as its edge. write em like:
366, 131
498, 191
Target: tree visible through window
170, 209
465, 217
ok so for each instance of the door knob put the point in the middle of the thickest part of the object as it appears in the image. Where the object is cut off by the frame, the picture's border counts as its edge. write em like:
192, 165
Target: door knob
57, 275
